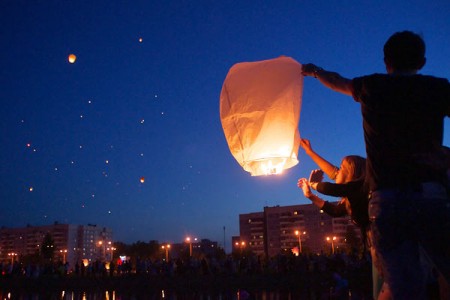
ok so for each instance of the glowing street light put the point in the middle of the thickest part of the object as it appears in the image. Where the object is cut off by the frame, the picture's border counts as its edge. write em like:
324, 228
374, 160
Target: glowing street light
111, 248
13, 255
103, 249
188, 240
63, 252
166, 247
299, 234
332, 239
240, 245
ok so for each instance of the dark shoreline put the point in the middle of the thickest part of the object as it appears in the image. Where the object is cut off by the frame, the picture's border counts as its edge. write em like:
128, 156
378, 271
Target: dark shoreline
152, 283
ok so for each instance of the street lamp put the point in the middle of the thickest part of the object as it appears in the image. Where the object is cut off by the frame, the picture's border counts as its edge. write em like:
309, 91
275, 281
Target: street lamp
102, 249
111, 248
112, 251
188, 240
332, 239
240, 245
63, 252
299, 234
166, 247
12, 254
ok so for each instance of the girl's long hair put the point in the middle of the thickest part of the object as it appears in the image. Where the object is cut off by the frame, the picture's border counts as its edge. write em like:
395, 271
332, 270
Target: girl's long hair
356, 171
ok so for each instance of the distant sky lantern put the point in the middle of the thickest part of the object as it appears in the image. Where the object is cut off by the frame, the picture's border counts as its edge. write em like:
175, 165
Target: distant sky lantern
72, 58
260, 107
142, 179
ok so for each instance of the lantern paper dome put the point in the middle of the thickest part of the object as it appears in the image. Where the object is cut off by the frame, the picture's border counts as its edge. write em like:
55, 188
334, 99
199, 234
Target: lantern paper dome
260, 105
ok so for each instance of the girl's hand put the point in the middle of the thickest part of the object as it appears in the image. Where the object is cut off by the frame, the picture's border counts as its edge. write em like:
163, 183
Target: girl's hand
304, 185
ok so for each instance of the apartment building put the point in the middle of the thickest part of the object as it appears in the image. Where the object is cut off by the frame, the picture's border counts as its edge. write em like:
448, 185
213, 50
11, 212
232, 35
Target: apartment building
71, 243
296, 228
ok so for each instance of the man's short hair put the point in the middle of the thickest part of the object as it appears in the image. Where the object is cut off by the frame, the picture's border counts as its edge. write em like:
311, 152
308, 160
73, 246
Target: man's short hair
405, 51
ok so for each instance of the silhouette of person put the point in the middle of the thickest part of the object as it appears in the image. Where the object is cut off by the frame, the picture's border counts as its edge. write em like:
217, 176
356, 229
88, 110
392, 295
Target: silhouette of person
403, 117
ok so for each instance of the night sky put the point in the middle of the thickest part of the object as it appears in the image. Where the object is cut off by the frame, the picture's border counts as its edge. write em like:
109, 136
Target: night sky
141, 101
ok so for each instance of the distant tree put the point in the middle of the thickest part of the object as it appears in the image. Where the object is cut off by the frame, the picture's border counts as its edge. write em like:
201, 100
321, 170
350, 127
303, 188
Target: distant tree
153, 248
139, 249
30, 258
241, 252
121, 248
219, 253
48, 248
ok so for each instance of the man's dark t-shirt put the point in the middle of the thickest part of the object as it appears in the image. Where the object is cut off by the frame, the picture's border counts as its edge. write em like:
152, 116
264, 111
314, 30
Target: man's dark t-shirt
403, 116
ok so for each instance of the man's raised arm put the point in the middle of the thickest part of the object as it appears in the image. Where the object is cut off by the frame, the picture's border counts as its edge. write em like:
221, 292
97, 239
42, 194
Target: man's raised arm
331, 80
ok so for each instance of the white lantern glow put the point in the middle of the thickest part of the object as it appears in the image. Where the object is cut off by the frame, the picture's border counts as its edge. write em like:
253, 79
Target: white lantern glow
260, 107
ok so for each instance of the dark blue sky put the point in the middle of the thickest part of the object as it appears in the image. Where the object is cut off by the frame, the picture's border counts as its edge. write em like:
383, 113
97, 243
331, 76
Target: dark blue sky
128, 109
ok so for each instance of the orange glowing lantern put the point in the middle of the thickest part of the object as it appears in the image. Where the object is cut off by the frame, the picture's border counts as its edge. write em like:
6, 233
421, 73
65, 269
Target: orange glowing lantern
260, 107
72, 58
142, 179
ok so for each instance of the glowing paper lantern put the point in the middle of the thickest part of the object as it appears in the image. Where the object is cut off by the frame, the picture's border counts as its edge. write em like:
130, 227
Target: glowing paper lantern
142, 179
260, 107
72, 58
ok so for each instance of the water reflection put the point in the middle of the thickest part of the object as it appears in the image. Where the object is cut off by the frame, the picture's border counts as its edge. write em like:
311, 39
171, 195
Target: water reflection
156, 295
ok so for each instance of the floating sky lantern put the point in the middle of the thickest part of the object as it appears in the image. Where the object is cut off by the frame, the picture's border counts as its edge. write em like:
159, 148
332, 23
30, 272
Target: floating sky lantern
72, 58
260, 107
142, 179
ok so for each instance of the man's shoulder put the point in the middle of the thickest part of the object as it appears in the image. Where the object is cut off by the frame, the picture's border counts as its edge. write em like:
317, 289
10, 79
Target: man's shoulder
432, 79
376, 77
385, 81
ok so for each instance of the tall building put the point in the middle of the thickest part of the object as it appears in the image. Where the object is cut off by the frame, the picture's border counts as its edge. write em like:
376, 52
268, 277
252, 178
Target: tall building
72, 243
95, 243
297, 228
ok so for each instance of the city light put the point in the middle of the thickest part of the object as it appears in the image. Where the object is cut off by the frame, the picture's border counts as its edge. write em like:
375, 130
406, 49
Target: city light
188, 240
299, 234
63, 252
166, 248
13, 256
331, 239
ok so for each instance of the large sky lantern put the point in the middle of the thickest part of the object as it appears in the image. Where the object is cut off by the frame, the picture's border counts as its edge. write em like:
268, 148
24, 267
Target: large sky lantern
260, 107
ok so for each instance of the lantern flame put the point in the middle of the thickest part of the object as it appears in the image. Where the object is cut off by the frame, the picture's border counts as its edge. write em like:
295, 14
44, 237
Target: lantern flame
270, 168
